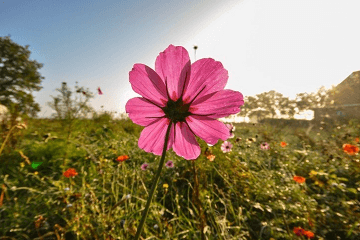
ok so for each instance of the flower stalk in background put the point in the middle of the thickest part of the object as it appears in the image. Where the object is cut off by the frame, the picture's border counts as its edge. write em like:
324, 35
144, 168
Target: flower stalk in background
180, 100
19, 126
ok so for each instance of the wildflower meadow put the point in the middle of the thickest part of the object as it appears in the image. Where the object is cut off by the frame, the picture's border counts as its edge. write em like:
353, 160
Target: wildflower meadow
172, 170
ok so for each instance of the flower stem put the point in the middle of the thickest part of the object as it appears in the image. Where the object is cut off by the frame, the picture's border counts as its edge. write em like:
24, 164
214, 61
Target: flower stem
6, 139
154, 184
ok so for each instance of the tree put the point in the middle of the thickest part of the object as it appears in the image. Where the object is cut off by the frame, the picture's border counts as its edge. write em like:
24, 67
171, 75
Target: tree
19, 77
287, 107
322, 98
250, 103
69, 108
270, 101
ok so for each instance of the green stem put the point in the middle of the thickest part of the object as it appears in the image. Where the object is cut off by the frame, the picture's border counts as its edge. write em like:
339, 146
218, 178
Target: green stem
153, 187
6, 139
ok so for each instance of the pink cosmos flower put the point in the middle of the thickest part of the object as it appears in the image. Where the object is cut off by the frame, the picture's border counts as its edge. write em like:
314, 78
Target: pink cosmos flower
231, 128
226, 147
169, 164
265, 146
99, 91
192, 96
144, 166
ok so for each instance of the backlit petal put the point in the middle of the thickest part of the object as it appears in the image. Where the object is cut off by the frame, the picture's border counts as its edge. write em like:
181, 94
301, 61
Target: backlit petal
207, 76
185, 144
142, 112
173, 65
152, 138
148, 84
208, 129
217, 105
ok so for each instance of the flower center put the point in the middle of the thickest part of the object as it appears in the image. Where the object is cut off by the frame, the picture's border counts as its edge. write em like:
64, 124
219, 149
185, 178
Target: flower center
176, 111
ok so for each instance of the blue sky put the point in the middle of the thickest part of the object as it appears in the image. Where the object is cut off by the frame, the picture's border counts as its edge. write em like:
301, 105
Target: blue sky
289, 46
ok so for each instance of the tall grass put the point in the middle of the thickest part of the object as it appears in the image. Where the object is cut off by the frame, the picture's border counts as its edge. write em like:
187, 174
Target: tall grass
248, 193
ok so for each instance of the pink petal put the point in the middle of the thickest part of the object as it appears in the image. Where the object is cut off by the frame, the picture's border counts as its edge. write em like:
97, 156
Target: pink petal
152, 138
208, 74
173, 65
148, 84
185, 144
143, 112
208, 129
220, 104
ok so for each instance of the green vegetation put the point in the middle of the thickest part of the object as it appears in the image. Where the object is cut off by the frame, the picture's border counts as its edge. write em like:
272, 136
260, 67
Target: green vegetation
248, 193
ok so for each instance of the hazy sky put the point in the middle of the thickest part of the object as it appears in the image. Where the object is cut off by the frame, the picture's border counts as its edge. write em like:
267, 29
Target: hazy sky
290, 46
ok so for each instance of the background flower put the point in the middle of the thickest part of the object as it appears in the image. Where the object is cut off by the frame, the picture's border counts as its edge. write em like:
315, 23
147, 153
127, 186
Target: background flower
211, 157
299, 179
283, 144
226, 147
71, 172
231, 128
122, 158
350, 149
144, 166
169, 164
264, 146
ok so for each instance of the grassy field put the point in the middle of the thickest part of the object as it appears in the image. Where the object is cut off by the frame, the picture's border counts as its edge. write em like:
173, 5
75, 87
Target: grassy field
247, 193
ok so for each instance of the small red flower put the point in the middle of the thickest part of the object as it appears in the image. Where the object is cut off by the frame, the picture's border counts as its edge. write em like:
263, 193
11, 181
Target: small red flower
301, 232
298, 231
71, 172
283, 144
299, 179
99, 91
350, 149
357, 139
122, 158
309, 234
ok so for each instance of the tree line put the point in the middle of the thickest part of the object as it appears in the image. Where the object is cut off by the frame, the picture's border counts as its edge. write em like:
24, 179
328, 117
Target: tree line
272, 104
20, 77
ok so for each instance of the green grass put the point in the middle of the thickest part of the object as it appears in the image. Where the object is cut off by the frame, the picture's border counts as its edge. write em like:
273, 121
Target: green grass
248, 193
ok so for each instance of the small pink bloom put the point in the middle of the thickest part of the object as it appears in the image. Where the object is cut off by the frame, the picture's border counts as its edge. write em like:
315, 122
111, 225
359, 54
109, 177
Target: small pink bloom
226, 147
265, 146
191, 96
169, 164
144, 166
231, 128
99, 91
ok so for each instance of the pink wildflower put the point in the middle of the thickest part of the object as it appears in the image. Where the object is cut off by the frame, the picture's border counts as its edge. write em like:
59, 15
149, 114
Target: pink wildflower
226, 147
169, 164
231, 128
192, 96
265, 146
144, 166
99, 91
